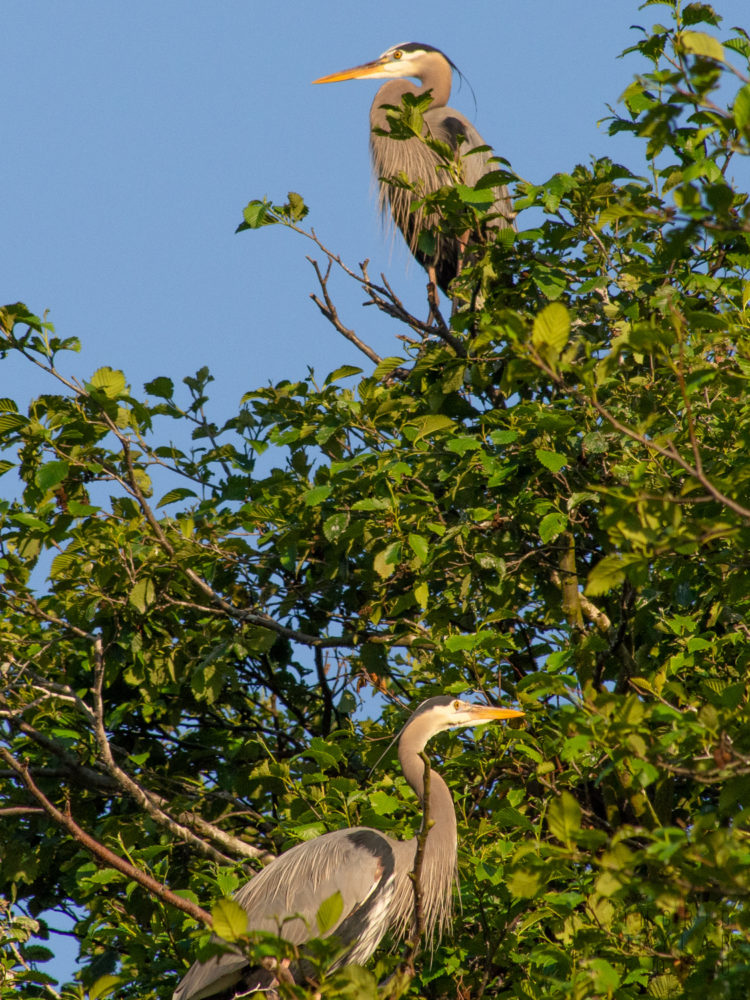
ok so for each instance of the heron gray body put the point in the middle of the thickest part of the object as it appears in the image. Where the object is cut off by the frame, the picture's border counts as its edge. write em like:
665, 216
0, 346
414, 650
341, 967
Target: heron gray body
371, 870
421, 165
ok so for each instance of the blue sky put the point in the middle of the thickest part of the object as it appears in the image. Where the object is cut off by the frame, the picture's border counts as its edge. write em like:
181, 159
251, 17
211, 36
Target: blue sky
135, 133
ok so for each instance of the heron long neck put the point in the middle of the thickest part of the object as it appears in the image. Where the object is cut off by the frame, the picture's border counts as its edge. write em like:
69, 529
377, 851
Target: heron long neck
436, 77
440, 805
439, 862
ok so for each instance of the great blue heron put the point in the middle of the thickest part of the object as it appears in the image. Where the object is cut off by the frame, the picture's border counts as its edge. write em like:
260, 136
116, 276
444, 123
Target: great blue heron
421, 165
370, 870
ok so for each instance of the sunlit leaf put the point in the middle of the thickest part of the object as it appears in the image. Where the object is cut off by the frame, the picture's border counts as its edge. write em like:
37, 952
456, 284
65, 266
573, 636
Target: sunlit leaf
329, 913
551, 327
564, 818
700, 44
229, 919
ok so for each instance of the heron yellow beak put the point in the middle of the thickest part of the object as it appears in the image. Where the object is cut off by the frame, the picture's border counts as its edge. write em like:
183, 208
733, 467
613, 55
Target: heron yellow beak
487, 713
355, 73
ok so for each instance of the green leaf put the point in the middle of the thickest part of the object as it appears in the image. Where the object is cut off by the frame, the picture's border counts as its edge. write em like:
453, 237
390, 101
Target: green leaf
461, 445
329, 913
503, 437
609, 572
51, 475
475, 196
30, 521
742, 107
564, 818
104, 986
335, 525
352, 982
256, 214
695, 13
81, 509
371, 504
665, 987
605, 977
432, 424
162, 387
345, 371
230, 921
10, 421
322, 753
551, 525
142, 595
178, 493
384, 804
62, 563
387, 559
420, 547
550, 459
296, 207
37, 953
453, 643
551, 327
110, 381
524, 884
316, 496
698, 43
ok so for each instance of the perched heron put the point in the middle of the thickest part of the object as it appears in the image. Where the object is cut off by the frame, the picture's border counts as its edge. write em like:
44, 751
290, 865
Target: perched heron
370, 870
421, 165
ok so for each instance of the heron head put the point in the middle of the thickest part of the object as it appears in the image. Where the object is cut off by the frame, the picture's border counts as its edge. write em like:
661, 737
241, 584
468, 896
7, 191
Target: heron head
445, 712
407, 59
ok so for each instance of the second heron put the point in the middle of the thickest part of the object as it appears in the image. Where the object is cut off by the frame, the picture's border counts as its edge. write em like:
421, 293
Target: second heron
422, 166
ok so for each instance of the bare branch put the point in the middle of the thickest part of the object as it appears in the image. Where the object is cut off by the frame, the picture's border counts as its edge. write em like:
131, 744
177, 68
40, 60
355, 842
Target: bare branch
21, 810
331, 313
595, 615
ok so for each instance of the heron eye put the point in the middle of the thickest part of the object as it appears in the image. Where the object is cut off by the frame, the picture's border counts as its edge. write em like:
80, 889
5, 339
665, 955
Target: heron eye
397, 54
456, 705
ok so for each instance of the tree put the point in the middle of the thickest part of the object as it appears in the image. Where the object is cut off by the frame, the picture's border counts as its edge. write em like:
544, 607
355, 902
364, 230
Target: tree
545, 498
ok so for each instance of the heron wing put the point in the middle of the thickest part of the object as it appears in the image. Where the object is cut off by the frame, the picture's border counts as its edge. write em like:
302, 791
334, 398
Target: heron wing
285, 897
451, 126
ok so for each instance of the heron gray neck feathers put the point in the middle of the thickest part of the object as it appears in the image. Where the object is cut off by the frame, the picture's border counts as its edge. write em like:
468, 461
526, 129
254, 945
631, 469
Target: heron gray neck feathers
436, 76
439, 862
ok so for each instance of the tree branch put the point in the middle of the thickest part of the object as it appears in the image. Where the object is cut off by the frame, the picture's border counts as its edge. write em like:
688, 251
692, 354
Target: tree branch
101, 852
108, 783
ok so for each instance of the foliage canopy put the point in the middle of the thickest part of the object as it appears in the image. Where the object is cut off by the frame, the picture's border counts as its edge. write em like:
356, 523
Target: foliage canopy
546, 498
